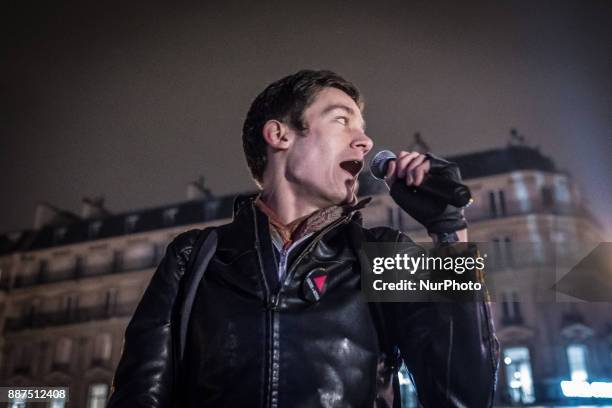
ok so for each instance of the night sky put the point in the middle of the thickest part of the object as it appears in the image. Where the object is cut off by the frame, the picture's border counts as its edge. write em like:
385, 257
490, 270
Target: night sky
133, 102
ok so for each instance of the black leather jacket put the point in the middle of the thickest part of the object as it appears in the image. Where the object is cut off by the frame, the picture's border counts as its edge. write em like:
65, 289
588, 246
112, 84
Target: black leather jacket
253, 341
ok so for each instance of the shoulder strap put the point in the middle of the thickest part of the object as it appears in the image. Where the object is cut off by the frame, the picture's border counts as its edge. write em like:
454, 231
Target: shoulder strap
201, 254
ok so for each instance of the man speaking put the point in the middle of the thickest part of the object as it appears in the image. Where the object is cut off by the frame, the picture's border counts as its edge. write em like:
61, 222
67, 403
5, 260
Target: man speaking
277, 318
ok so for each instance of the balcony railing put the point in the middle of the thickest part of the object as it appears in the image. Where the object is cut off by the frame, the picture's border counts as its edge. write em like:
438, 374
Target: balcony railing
58, 318
80, 270
515, 208
481, 212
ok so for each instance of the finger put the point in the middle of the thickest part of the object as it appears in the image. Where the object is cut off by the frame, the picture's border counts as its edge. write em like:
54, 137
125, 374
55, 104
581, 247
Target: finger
421, 172
419, 175
416, 162
408, 180
403, 162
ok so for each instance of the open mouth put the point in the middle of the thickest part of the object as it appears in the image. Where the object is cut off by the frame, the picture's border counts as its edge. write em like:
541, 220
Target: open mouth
352, 166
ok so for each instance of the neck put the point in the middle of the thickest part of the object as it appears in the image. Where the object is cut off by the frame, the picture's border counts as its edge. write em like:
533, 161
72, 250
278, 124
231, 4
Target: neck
287, 207
288, 200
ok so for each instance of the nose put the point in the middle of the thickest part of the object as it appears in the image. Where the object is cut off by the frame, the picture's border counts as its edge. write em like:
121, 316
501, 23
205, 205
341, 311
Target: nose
362, 141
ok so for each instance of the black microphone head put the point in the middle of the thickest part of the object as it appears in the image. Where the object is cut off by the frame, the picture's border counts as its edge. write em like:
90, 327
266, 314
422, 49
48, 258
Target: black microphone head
378, 164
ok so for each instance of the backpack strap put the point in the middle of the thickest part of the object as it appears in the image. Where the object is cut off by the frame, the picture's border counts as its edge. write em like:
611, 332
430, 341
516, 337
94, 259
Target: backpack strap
201, 254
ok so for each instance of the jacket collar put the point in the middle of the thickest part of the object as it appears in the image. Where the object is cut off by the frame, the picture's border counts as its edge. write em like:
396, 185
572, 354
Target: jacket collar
243, 201
238, 236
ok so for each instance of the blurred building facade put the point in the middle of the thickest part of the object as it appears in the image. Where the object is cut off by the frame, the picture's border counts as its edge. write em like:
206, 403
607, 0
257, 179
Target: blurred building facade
69, 286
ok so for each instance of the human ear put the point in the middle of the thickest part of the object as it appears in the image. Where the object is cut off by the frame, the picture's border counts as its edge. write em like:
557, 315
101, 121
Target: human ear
276, 134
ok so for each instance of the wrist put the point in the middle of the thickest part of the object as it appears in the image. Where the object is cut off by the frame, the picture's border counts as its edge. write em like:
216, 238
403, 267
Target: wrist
449, 237
442, 238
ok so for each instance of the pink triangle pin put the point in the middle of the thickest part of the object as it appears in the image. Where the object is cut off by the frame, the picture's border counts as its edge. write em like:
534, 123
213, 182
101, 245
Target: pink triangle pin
319, 281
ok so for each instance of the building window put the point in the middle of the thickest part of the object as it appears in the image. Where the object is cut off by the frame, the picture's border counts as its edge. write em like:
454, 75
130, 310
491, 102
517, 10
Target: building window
94, 229
33, 309
511, 310
16, 403
548, 198
577, 362
139, 256
71, 303
497, 203
497, 253
96, 397
59, 234
110, 301
407, 389
492, 204
63, 353
130, 223
23, 359
98, 262
502, 202
58, 403
503, 254
509, 254
102, 348
519, 381
170, 216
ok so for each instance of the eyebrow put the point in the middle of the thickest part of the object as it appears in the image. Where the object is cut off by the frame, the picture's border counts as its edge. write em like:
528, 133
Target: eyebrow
345, 108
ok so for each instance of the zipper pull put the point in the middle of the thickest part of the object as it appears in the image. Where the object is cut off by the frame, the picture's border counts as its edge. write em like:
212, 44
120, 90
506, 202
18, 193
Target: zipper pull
273, 302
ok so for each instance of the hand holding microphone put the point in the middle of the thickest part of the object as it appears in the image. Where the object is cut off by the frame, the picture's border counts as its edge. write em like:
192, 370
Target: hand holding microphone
425, 186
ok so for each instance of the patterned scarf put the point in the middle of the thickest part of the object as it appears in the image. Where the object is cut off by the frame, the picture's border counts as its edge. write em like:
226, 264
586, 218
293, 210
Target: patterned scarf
306, 225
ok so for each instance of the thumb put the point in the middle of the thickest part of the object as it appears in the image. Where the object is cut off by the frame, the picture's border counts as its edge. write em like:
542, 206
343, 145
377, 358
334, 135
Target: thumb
390, 176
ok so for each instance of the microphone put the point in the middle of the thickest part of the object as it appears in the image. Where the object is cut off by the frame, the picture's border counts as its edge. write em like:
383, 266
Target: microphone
442, 188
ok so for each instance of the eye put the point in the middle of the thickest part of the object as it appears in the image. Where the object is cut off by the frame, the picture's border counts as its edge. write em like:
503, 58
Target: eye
342, 119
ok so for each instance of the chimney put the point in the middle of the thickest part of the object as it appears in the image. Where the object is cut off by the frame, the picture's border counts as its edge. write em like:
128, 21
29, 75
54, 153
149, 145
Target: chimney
46, 214
93, 207
419, 145
197, 190
43, 215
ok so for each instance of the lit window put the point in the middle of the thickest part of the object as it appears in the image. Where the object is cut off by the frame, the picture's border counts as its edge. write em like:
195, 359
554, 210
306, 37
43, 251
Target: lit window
97, 395
58, 403
170, 216
519, 381
407, 389
577, 362
94, 229
130, 222
16, 403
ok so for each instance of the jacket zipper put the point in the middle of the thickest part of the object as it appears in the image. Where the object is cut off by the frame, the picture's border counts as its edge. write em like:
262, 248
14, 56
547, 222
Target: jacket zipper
287, 277
272, 302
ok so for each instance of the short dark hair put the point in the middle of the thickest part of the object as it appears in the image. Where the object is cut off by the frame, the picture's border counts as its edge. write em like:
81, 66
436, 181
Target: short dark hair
286, 100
